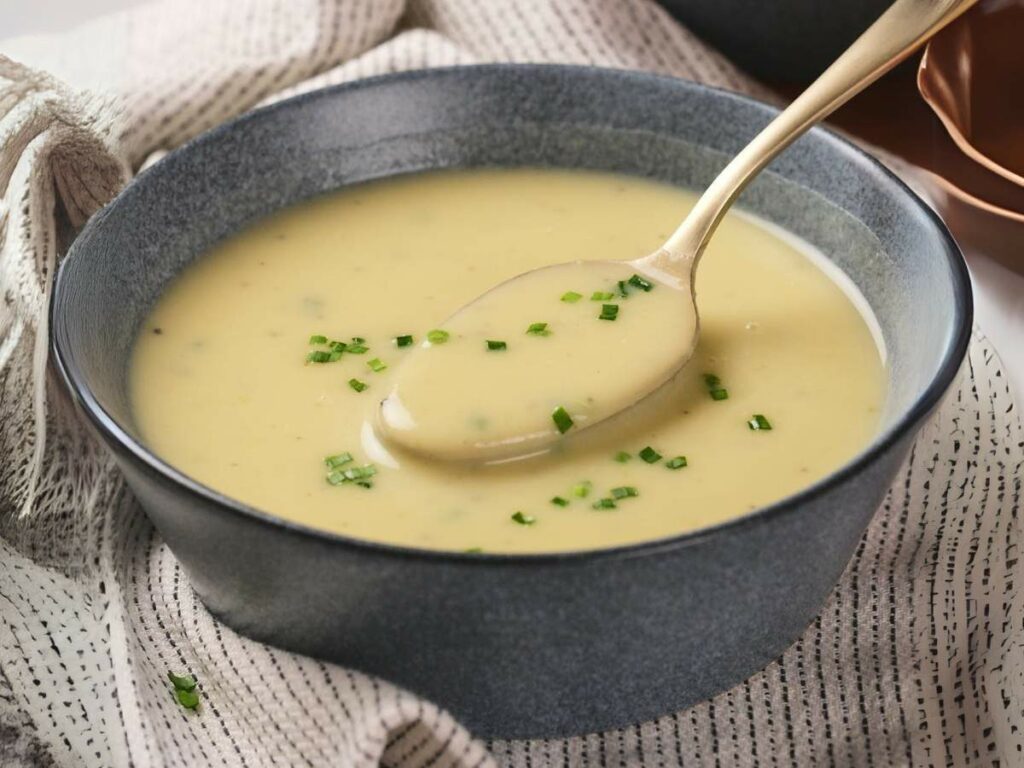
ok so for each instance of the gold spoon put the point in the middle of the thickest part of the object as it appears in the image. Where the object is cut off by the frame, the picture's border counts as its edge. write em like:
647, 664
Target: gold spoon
467, 397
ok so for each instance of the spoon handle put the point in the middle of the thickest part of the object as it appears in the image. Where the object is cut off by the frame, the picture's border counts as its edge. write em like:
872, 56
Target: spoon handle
894, 36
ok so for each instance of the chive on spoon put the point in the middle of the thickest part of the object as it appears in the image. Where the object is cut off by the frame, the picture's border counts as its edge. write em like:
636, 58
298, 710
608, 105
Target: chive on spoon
556, 350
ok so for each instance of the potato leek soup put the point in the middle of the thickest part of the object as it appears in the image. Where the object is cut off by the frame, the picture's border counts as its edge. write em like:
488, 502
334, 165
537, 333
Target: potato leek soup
259, 373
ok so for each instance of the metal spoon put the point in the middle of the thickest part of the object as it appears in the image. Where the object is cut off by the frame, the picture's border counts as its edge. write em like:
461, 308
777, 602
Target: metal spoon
462, 401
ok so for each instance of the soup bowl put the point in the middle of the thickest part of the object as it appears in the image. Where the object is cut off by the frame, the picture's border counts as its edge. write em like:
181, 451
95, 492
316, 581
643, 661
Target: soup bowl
516, 645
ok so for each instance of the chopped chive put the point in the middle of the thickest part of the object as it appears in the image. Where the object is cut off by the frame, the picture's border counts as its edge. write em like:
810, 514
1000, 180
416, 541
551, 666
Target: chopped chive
338, 346
376, 365
571, 297
677, 463
357, 348
319, 357
623, 289
759, 423
403, 341
336, 478
609, 312
719, 393
622, 457
338, 459
522, 519
538, 329
650, 455
601, 296
711, 380
625, 492
715, 388
358, 340
358, 385
582, 490
333, 356
437, 336
496, 346
473, 550
360, 473
605, 503
559, 501
639, 282
182, 682
317, 339
187, 699
562, 419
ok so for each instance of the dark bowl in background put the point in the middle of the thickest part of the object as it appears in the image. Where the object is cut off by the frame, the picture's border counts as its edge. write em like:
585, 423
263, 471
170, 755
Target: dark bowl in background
780, 41
518, 645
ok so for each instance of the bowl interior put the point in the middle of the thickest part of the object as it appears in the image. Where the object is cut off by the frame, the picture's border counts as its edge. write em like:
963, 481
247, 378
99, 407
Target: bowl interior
821, 189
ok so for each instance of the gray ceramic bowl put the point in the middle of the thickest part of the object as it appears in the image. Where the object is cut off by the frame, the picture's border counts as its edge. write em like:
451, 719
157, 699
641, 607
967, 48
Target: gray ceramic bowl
516, 646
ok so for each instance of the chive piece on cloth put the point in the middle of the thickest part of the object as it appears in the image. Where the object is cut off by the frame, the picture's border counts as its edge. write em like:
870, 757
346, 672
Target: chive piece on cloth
571, 297
496, 346
563, 421
677, 463
317, 339
538, 329
437, 336
376, 365
605, 503
625, 492
622, 457
609, 312
182, 682
759, 423
644, 285
601, 296
403, 341
522, 519
187, 699
358, 385
560, 501
650, 455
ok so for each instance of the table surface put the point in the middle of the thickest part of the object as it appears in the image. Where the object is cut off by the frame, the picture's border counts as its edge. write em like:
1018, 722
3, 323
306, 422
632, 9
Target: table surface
999, 292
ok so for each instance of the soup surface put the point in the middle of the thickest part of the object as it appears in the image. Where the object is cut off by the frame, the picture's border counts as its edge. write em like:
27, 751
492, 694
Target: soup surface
260, 370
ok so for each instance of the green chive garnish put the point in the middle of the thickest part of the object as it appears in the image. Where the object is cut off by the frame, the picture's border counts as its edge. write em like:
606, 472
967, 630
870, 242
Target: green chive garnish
715, 388
338, 460
571, 297
601, 296
522, 519
582, 490
605, 503
376, 365
437, 336
759, 423
538, 329
559, 501
360, 473
338, 346
357, 385
403, 341
719, 393
496, 346
320, 357
317, 339
562, 419
187, 699
356, 348
625, 492
623, 290
677, 463
711, 380
640, 283
650, 455
622, 457
609, 312
182, 682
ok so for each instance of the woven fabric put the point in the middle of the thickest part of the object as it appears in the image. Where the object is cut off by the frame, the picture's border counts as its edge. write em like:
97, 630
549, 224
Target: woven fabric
917, 658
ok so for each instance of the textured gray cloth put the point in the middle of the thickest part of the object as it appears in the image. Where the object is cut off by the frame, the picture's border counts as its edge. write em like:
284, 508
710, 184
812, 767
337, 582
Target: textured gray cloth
917, 658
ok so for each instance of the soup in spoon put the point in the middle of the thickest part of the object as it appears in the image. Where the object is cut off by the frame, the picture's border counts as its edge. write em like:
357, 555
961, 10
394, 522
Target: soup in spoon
260, 371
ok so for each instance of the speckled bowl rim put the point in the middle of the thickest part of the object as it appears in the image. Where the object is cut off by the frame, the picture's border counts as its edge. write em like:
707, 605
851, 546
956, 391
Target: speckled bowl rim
932, 394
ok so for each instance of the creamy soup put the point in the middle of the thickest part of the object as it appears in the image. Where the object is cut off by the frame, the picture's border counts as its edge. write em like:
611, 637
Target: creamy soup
260, 371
